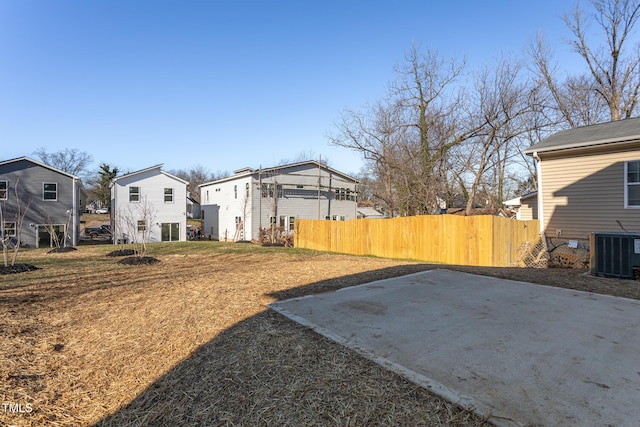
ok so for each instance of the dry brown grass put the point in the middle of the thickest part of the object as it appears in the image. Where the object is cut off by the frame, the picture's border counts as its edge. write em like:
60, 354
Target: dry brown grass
189, 341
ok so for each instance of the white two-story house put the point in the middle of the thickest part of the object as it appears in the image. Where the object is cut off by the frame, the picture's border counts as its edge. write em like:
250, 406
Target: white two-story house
237, 207
149, 203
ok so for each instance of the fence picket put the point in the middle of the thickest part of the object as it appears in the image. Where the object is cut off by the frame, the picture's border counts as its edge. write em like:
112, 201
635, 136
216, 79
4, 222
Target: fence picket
445, 239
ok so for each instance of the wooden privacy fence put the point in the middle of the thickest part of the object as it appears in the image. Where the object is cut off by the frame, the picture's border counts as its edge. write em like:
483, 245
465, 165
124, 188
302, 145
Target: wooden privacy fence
448, 239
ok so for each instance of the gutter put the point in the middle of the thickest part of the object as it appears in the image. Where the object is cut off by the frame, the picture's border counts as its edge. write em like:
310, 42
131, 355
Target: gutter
540, 196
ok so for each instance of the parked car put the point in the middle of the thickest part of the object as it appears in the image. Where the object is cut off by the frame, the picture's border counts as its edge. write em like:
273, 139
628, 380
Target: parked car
94, 232
102, 211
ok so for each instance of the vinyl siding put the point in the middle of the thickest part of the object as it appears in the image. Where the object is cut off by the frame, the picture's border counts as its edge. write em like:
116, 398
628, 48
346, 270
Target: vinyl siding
299, 199
585, 193
31, 177
152, 184
528, 209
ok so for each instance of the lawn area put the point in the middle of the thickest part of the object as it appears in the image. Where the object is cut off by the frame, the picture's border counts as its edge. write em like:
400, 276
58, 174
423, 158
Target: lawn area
189, 341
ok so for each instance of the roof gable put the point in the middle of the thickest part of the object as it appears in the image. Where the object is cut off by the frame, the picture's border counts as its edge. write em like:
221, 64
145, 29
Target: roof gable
244, 172
37, 163
617, 132
149, 169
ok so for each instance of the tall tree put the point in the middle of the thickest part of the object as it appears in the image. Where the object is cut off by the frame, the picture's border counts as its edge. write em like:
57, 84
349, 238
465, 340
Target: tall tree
613, 66
196, 176
406, 137
70, 160
501, 104
103, 184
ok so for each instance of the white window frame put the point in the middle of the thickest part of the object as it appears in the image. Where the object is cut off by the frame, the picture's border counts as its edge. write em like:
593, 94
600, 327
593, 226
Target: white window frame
142, 225
4, 192
169, 194
131, 193
9, 226
44, 191
627, 184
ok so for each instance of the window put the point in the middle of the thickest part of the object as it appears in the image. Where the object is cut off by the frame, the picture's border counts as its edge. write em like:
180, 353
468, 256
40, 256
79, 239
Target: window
282, 220
344, 194
9, 228
50, 191
142, 225
247, 190
235, 191
134, 194
632, 184
267, 190
292, 222
168, 195
4, 185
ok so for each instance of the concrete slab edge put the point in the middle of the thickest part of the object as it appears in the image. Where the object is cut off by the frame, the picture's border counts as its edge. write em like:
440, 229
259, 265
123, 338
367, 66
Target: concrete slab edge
433, 386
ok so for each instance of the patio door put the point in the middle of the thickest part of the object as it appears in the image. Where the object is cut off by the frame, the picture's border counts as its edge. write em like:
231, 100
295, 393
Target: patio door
45, 239
170, 231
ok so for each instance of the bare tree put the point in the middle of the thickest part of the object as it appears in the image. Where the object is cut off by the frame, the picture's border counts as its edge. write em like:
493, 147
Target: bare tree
59, 239
136, 223
613, 67
196, 176
407, 137
502, 103
11, 223
72, 160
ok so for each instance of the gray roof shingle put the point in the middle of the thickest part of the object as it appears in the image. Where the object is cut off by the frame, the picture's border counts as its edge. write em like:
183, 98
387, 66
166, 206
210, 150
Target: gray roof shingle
586, 136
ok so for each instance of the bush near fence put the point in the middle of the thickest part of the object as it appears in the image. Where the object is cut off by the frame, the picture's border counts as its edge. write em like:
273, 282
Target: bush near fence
481, 240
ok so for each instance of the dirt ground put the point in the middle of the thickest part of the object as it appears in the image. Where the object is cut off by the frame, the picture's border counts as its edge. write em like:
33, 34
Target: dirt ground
189, 341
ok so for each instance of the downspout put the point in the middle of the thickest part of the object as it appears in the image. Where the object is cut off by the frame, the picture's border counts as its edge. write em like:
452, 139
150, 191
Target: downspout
540, 204
74, 213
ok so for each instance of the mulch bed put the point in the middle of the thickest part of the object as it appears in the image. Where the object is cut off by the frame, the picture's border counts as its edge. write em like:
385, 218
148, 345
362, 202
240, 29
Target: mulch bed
139, 260
17, 268
62, 250
122, 252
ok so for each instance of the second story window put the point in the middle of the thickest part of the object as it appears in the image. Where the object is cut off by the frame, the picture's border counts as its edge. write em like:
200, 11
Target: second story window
4, 185
168, 195
134, 194
50, 191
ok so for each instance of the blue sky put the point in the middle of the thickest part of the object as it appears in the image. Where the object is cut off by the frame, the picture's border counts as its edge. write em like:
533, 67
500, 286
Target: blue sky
226, 84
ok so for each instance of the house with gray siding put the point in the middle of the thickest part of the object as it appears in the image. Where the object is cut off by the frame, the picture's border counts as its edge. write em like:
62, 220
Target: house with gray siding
237, 207
52, 199
589, 180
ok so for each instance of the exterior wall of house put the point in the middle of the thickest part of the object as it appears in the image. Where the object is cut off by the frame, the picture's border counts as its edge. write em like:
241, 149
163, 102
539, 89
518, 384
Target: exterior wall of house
528, 208
66, 208
152, 184
299, 197
584, 193
232, 204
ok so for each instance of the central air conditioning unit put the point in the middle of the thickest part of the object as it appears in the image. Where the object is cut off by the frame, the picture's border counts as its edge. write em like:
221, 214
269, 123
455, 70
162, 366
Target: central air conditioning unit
615, 255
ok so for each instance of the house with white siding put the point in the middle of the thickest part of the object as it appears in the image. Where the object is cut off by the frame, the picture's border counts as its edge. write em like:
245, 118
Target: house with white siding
149, 202
589, 180
237, 207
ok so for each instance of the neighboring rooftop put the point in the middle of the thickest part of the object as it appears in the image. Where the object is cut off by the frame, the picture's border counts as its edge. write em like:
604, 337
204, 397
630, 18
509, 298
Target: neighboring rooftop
627, 130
